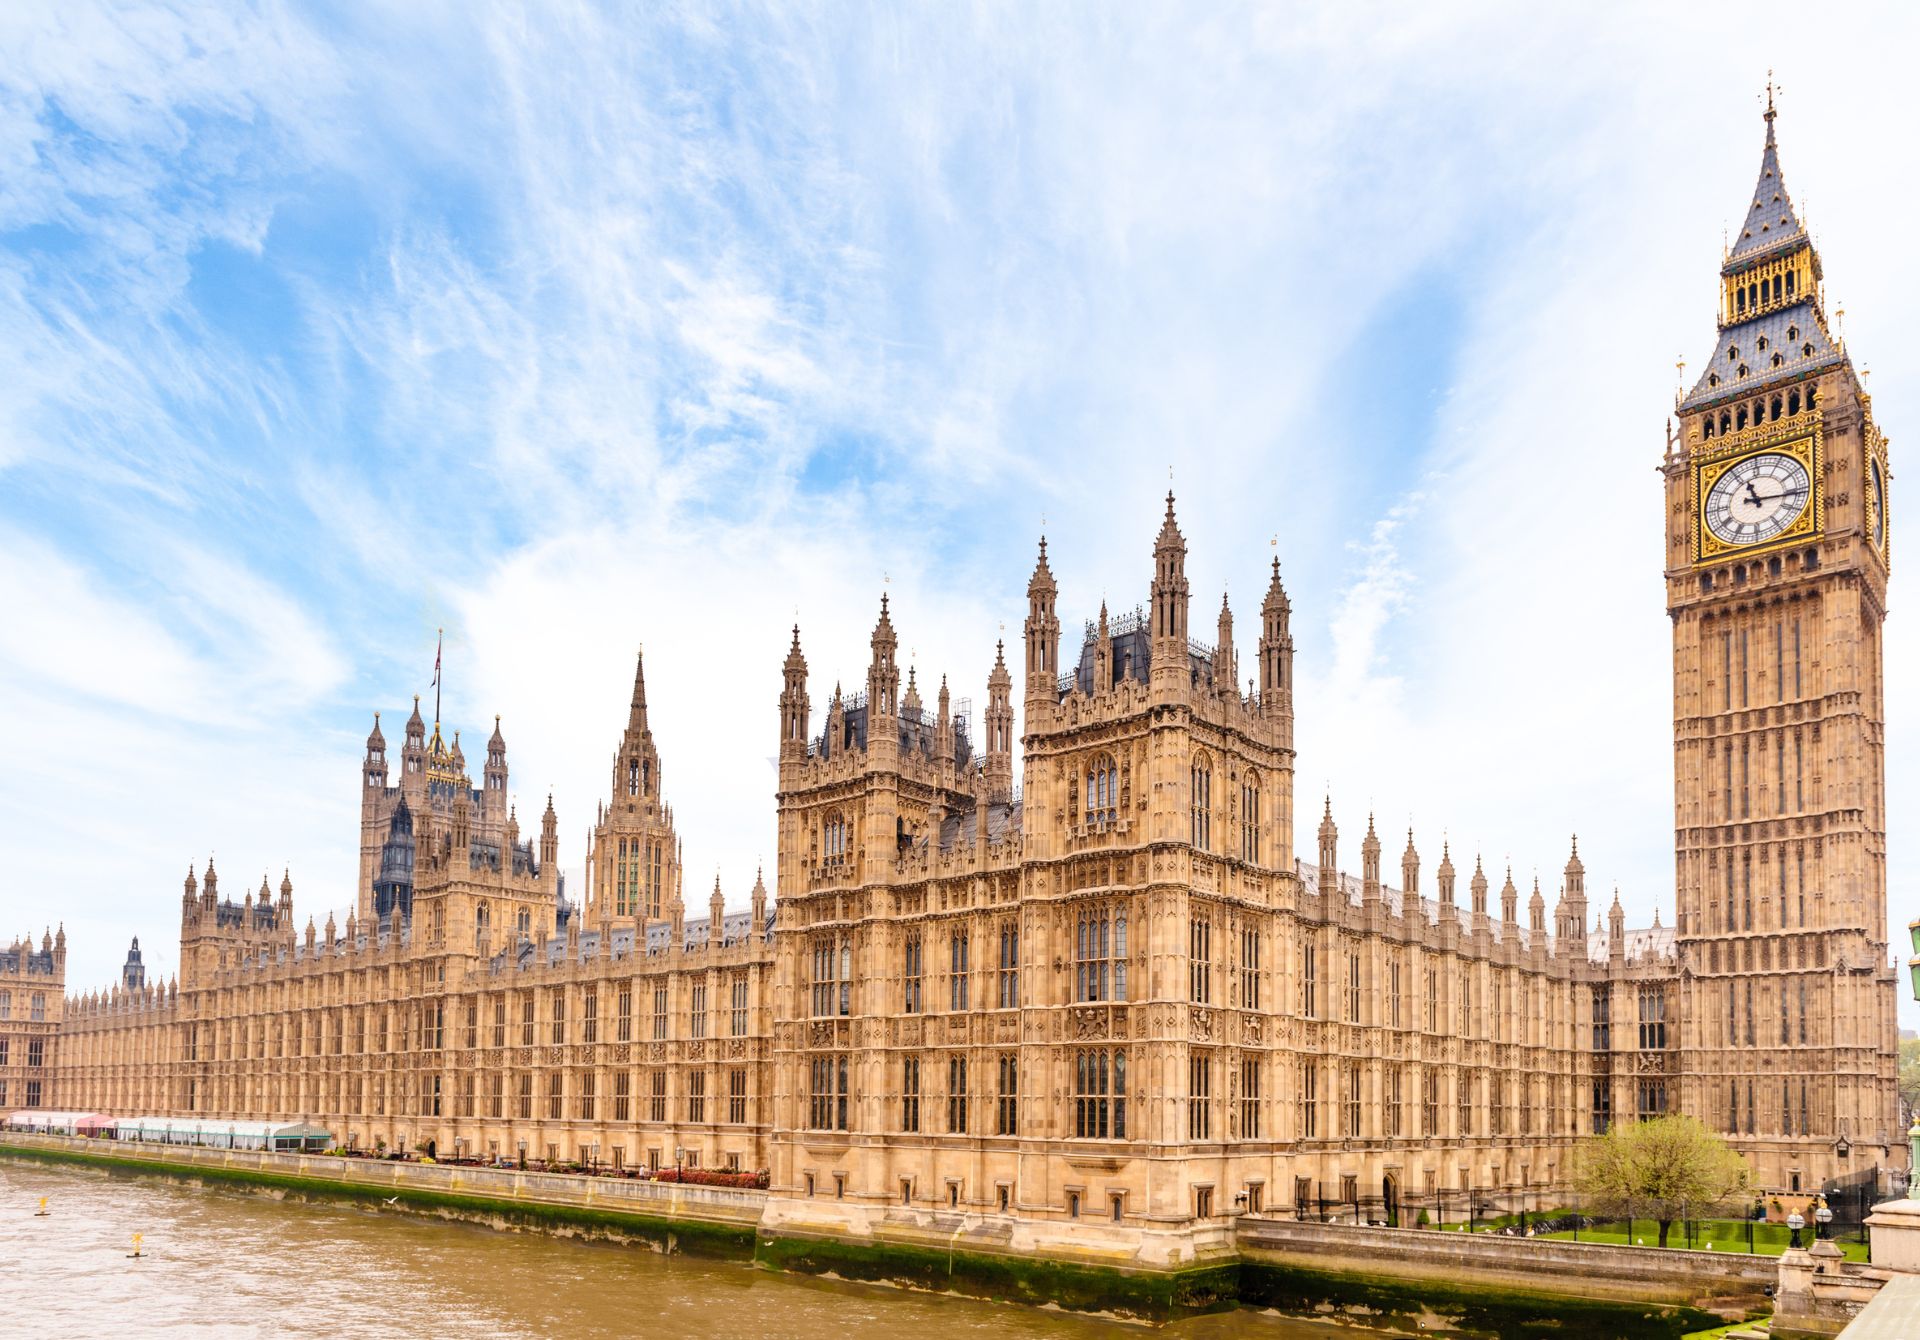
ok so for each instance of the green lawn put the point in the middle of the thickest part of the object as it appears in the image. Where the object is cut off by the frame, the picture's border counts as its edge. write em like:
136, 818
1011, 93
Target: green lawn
1720, 1235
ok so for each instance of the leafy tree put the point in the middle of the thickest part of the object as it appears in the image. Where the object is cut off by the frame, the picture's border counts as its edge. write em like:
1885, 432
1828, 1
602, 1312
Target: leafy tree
1663, 1169
1909, 1080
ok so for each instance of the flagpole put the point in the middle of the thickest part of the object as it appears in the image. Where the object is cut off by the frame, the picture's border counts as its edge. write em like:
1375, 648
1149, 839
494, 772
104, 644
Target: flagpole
439, 641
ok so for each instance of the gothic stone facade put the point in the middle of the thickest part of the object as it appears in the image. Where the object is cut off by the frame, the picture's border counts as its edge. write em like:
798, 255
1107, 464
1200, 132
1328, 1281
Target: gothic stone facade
1110, 1005
32, 1005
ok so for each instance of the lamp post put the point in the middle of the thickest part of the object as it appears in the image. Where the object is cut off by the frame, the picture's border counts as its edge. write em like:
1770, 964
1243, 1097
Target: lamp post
1822, 1216
1794, 1224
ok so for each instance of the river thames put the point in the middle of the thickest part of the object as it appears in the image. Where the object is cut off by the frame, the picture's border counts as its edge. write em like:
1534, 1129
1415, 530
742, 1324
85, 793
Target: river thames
226, 1263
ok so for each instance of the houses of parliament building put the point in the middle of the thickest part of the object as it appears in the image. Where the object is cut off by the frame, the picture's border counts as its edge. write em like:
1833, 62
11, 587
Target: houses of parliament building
1104, 992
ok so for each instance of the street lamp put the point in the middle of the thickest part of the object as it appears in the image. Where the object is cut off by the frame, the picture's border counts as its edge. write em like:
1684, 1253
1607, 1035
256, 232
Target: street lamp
1795, 1223
1913, 964
1821, 1218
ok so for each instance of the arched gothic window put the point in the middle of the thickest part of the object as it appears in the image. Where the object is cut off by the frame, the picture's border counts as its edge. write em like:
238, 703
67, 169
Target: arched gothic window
836, 838
1100, 954
1250, 818
1103, 791
1203, 803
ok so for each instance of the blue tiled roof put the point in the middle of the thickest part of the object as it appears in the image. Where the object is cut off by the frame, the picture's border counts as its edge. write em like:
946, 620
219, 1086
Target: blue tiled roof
1721, 377
1770, 220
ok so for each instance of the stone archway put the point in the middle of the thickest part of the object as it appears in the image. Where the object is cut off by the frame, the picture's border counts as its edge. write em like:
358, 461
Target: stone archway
1390, 1200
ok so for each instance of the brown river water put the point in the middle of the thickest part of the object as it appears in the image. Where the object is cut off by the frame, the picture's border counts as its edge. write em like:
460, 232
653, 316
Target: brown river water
227, 1263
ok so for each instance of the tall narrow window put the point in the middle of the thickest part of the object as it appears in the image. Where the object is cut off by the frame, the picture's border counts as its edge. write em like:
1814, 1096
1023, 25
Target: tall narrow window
697, 1011
1394, 1078
1351, 1122
739, 1011
1103, 792
1249, 993
1309, 986
1393, 993
1199, 1096
1203, 806
911, 969
1100, 954
1006, 1107
1008, 977
1433, 1004
957, 951
1353, 988
1200, 956
910, 1095
1309, 1100
1249, 1098
957, 1095
1100, 1094
1250, 819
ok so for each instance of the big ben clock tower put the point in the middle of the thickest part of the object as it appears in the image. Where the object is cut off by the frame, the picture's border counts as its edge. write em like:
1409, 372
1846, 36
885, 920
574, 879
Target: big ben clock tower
1777, 562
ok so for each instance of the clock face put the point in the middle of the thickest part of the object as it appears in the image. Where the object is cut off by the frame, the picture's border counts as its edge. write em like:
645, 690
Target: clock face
1757, 499
1877, 501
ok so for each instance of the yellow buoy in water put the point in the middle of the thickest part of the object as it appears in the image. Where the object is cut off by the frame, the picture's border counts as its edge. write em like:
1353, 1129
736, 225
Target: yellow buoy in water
134, 1255
42, 1211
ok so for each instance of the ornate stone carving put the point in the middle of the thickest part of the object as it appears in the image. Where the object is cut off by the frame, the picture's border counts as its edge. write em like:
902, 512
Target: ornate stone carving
1089, 1023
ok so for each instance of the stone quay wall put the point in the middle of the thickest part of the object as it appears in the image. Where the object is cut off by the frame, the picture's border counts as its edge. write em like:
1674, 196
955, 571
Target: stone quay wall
734, 1207
1540, 1265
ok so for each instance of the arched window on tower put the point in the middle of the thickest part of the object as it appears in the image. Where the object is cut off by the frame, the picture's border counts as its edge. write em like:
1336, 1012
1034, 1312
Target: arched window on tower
836, 837
1202, 798
482, 923
1103, 791
1250, 818
633, 776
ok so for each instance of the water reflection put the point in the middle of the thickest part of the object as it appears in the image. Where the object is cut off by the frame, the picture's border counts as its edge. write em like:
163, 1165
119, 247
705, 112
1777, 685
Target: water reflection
225, 1263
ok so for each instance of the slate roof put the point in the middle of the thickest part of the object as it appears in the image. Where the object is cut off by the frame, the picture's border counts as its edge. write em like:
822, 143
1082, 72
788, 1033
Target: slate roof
1771, 222
1721, 378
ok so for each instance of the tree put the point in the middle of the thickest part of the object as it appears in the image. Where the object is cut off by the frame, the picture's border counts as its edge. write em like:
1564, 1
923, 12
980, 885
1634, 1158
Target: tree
1909, 1080
1663, 1169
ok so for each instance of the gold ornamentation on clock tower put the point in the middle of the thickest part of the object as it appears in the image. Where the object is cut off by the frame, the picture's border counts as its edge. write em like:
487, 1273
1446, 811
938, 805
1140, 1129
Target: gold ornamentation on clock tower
1776, 586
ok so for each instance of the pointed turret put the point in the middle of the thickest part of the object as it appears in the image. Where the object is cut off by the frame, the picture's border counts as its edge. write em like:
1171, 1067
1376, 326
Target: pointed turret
1771, 224
1572, 920
549, 841
1043, 638
636, 763
1168, 605
209, 888
1616, 930
1329, 853
494, 786
1537, 910
374, 769
1276, 650
998, 761
759, 902
883, 671
716, 914
1509, 899
413, 754
911, 703
1370, 865
1410, 875
1226, 666
795, 709
190, 892
1477, 887
1448, 909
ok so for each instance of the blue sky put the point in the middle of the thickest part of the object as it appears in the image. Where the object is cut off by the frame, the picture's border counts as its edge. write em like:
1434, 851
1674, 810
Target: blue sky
572, 329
